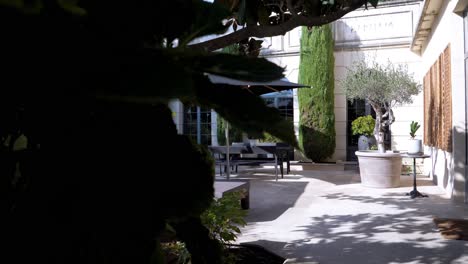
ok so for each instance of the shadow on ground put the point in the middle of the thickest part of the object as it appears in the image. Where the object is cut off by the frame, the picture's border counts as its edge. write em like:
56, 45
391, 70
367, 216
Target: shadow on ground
269, 203
328, 217
408, 236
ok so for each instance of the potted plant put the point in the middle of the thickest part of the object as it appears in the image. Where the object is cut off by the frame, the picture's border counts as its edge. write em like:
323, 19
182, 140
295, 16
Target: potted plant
383, 87
364, 126
414, 145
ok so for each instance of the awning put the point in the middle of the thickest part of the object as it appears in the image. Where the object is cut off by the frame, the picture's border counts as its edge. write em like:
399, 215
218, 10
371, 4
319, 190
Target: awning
257, 88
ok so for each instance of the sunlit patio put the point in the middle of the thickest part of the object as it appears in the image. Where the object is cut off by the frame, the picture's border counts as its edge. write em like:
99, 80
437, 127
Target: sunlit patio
326, 216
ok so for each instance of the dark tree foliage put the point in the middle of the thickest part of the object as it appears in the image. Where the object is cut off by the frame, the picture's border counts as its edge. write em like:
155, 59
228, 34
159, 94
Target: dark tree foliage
262, 18
87, 82
317, 117
104, 169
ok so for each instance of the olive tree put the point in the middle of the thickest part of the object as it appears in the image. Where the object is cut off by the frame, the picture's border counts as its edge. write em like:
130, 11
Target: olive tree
383, 86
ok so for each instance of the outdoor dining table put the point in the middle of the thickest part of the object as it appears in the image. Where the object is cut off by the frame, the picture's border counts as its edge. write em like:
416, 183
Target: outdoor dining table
259, 148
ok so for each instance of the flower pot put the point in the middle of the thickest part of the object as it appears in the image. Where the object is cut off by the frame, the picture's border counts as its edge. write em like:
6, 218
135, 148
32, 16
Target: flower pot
379, 170
415, 146
363, 143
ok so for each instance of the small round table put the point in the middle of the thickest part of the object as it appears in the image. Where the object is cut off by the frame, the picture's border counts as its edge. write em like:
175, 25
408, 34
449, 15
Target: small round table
415, 193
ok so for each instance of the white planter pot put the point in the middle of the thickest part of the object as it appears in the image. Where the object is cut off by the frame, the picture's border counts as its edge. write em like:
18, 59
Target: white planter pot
379, 170
415, 146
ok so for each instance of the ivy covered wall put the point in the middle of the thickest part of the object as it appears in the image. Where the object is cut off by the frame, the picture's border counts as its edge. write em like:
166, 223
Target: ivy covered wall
317, 117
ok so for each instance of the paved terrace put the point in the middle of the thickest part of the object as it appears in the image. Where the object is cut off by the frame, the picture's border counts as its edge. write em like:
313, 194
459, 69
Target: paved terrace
326, 216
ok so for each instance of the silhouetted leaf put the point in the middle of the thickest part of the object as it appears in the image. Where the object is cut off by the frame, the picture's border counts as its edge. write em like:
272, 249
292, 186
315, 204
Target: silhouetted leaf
242, 12
72, 6
207, 19
244, 110
238, 67
374, 3
148, 76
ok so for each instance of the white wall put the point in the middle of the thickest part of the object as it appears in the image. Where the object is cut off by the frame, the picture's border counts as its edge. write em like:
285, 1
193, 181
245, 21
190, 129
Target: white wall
449, 168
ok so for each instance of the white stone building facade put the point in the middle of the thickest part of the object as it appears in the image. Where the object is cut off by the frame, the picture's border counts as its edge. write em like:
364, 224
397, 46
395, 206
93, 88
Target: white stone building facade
409, 32
380, 34
444, 24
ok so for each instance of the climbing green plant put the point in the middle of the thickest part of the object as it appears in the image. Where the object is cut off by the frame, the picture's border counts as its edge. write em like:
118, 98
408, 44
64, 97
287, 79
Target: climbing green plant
316, 69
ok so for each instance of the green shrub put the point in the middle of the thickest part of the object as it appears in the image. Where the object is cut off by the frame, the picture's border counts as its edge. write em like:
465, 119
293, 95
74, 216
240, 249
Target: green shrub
235, 134
224, 217
316, 104
175, 252
363, 125
222, 220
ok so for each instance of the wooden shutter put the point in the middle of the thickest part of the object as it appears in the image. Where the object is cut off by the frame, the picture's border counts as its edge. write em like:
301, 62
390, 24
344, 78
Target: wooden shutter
438, 104
446, 102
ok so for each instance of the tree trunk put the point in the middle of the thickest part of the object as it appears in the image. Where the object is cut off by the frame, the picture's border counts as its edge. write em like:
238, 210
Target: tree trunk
378, 129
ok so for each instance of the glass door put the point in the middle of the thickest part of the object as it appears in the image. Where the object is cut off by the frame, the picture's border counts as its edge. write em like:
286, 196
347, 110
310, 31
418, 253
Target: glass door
354, 109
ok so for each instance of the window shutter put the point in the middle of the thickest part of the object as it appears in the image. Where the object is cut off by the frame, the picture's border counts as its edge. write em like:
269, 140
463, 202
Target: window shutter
438, 104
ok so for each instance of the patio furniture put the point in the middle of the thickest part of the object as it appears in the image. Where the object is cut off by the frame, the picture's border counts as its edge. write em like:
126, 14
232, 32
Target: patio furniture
237, 155
415, 193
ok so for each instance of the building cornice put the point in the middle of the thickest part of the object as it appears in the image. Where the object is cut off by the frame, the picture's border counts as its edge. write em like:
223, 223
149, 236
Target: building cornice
460, 8
425, 25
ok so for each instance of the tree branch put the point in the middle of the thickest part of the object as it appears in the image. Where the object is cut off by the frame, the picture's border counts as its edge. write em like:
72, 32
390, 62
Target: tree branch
263, 31
291, 7
391, 118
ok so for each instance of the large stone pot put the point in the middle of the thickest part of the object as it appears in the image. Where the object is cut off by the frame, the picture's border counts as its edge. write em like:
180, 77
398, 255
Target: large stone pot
379, 170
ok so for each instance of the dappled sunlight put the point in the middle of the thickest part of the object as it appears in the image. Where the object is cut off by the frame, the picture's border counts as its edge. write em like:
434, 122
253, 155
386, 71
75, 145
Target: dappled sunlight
379, 239
329, 218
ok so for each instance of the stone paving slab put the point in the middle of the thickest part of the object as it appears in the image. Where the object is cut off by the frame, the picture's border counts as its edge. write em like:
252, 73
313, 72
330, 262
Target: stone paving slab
328, 217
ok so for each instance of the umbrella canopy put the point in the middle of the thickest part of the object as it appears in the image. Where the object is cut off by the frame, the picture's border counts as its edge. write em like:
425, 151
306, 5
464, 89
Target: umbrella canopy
257, 88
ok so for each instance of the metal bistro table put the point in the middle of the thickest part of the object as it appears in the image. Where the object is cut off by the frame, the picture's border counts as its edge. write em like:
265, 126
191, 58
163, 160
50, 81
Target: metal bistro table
415, 193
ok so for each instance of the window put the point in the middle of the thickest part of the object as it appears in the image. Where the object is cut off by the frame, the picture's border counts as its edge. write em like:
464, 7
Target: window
283, 101
197, 124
